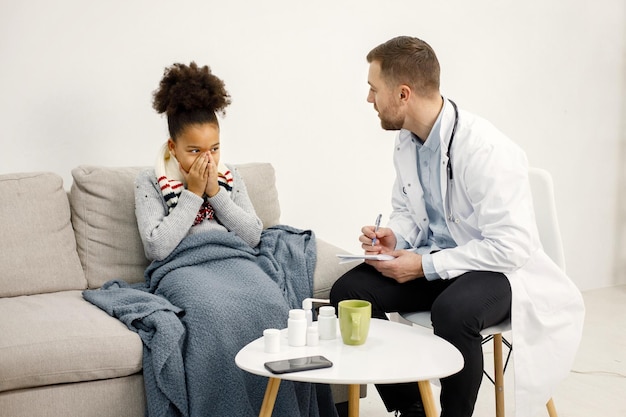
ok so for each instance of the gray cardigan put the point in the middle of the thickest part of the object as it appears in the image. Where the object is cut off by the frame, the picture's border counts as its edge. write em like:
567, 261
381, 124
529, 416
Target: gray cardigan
161, 232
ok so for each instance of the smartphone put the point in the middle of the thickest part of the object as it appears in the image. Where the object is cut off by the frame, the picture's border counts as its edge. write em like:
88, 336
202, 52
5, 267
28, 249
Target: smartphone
298, 364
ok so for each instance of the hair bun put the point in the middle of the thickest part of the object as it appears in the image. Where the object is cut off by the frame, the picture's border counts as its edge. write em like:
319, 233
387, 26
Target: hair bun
188, 89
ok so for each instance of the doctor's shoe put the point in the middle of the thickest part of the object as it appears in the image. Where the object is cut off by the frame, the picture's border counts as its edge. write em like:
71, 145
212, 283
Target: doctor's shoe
415, 410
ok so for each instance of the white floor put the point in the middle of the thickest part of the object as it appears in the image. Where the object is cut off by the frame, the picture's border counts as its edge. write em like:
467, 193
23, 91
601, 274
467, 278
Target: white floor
596, 387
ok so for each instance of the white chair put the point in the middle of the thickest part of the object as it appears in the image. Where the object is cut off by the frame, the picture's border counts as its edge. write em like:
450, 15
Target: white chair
550, 236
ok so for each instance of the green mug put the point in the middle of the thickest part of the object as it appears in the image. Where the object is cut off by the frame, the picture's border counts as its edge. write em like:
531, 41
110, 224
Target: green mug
354, 321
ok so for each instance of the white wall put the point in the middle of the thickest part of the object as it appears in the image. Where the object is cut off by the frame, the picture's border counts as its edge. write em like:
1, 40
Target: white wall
76, 82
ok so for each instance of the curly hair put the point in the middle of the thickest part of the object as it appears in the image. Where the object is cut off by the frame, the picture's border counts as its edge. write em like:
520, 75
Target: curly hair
189, 95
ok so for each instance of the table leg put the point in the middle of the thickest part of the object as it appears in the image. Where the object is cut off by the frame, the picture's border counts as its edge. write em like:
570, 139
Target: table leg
427, 398
270, 397
354, 394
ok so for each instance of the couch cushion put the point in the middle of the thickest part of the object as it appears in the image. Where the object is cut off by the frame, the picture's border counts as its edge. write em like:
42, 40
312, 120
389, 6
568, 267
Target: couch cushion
260, 180
116, 397
59, 337
103, 215
38, 248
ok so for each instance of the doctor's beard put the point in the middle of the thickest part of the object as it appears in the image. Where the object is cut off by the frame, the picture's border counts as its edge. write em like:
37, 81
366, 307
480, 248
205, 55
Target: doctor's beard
392, 121
387, 124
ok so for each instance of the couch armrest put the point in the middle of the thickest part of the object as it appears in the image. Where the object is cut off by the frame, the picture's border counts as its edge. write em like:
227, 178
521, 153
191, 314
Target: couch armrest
328, 269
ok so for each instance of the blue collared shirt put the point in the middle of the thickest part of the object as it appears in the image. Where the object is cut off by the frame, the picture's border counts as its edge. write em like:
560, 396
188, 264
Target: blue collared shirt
428, 169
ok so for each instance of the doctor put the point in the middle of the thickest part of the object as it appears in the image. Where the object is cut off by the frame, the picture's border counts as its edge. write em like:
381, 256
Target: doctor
464, 238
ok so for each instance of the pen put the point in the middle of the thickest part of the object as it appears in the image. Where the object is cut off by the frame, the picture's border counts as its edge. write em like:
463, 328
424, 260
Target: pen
377, 225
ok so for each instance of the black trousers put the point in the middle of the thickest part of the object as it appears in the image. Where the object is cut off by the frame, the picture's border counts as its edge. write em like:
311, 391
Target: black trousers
460, 309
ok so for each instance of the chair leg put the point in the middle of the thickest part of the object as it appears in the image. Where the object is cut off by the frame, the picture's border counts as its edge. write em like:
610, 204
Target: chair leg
498, 374
498, 371
551, 408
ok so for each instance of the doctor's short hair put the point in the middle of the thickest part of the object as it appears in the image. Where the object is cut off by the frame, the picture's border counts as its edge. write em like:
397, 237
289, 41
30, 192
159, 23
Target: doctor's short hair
408, 60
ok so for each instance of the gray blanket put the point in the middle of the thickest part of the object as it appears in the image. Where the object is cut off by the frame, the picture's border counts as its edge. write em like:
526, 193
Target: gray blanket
201, 305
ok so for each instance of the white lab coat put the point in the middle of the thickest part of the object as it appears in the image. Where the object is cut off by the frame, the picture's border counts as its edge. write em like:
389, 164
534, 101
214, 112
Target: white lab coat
489, 212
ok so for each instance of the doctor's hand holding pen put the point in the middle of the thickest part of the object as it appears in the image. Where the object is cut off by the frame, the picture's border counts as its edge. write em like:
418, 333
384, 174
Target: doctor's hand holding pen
376, 239
406, 266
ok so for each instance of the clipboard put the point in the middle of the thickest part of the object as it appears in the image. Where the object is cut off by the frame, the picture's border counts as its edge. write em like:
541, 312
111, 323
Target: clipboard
344, 258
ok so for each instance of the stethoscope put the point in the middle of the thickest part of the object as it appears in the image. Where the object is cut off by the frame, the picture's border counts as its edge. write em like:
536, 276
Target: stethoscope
449, 166
456, 122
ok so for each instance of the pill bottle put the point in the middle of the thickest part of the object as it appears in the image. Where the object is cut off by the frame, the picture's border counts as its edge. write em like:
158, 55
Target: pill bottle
327, 323
307, 306
312, 336
296, 328
271, 339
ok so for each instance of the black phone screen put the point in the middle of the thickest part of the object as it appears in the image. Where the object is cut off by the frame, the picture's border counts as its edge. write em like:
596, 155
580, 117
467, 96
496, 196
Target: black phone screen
298, 364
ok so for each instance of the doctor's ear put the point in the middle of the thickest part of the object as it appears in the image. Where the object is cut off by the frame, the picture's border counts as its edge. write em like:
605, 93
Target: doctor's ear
405, 92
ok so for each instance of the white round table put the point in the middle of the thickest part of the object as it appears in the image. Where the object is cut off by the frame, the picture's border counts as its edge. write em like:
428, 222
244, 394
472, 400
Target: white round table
392, 353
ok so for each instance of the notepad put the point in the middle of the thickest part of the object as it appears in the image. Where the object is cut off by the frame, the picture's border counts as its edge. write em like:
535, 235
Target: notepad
343, 258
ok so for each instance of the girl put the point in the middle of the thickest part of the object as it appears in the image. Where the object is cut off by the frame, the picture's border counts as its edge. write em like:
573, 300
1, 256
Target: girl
193, 192
224, 275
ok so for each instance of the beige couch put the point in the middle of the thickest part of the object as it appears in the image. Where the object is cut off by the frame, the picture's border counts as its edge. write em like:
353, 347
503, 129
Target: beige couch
60, 355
